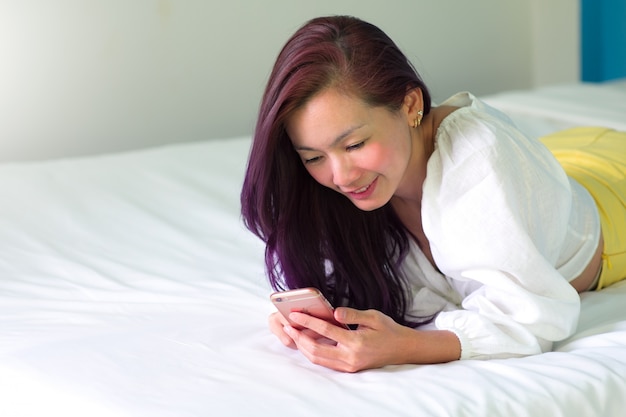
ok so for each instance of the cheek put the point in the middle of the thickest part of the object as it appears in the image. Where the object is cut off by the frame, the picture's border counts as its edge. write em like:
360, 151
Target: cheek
380, 158
321, 174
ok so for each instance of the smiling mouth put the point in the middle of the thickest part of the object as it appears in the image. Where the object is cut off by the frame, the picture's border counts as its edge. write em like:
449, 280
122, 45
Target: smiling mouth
363, 191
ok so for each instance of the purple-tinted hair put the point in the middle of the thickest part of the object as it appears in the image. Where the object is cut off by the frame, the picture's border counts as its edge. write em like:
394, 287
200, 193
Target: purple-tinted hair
315, 236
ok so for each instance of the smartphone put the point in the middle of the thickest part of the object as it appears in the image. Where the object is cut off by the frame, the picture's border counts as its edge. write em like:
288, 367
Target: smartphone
305, 300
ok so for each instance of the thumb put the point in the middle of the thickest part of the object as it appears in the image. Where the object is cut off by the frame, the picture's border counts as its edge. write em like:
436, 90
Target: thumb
351, 316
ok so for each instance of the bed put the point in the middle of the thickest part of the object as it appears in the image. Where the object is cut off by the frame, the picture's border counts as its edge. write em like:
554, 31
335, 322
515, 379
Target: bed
129, 287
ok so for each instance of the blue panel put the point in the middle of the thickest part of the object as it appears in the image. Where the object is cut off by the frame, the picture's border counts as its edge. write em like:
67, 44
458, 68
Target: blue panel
603, 43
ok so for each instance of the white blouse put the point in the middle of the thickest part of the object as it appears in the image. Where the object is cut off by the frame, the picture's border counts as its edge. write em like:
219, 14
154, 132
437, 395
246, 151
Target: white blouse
507, 229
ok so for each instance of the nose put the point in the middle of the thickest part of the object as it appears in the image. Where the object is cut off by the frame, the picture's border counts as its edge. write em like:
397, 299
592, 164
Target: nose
345, 173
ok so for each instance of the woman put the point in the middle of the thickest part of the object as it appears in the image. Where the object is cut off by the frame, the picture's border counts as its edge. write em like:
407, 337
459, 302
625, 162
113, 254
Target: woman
443, 232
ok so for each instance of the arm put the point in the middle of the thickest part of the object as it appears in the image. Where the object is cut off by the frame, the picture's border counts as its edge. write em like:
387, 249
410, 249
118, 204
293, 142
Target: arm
377, 341
496, 208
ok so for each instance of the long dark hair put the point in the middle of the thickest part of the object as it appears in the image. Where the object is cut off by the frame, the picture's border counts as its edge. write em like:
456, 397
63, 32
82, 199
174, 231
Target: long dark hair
315, 236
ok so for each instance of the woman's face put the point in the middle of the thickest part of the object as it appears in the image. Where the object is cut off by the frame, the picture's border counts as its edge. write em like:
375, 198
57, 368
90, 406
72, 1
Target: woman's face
357, 150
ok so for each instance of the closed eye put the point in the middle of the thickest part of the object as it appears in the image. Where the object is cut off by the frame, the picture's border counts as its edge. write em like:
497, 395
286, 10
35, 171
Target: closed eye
311, 160
355, 146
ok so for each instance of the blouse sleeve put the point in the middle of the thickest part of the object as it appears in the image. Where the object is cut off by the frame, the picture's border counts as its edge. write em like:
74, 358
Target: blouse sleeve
495, 209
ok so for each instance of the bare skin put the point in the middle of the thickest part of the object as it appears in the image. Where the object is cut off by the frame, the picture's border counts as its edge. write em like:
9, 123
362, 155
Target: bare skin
584, 281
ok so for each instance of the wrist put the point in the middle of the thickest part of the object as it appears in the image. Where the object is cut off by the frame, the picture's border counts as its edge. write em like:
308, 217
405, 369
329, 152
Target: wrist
432, 346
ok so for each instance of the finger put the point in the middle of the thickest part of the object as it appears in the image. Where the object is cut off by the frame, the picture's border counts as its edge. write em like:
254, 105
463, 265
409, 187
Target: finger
279, 317
277, 326
318, 351
351, 316
313, 335
319, 326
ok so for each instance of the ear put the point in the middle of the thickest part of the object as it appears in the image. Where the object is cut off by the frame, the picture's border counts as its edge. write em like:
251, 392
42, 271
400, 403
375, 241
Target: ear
413, 102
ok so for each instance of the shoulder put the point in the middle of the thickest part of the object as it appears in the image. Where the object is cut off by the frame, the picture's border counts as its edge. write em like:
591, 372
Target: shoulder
478, 145
468, 139
467, 116
475, 132
487, 182
467, 111
470, 102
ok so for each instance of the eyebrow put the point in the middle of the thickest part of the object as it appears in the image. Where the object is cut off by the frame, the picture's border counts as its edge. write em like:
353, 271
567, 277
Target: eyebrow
338, 139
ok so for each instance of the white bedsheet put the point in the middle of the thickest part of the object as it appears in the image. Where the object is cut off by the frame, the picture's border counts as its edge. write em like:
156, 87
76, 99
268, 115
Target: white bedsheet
547, 109
129, 287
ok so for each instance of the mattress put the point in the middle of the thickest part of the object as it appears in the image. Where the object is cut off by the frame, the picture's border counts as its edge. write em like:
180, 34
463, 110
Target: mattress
547, 109
130, 287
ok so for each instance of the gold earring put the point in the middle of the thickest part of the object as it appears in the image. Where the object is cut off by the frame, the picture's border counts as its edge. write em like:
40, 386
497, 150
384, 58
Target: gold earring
418, 120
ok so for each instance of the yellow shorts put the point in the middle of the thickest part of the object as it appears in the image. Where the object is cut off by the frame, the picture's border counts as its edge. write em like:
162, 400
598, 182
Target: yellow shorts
596, 158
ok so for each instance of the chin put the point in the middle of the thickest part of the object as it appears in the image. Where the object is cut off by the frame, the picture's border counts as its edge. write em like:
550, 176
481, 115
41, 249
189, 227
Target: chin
368, 205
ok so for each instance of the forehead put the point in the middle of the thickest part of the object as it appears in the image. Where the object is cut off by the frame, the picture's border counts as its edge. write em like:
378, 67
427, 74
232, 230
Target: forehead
330, 103
326, 116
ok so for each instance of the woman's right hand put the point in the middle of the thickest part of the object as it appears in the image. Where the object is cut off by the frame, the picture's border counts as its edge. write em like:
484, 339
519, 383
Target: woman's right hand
277, 325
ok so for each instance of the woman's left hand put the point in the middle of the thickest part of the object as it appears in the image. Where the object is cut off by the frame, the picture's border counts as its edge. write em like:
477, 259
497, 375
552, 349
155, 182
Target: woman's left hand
377, 341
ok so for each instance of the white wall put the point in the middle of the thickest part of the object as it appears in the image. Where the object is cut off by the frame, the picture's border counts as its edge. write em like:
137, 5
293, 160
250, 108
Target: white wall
555, 41
87, 76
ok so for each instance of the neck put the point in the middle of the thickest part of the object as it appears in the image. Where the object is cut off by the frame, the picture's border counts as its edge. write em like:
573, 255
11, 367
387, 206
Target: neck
424, 139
